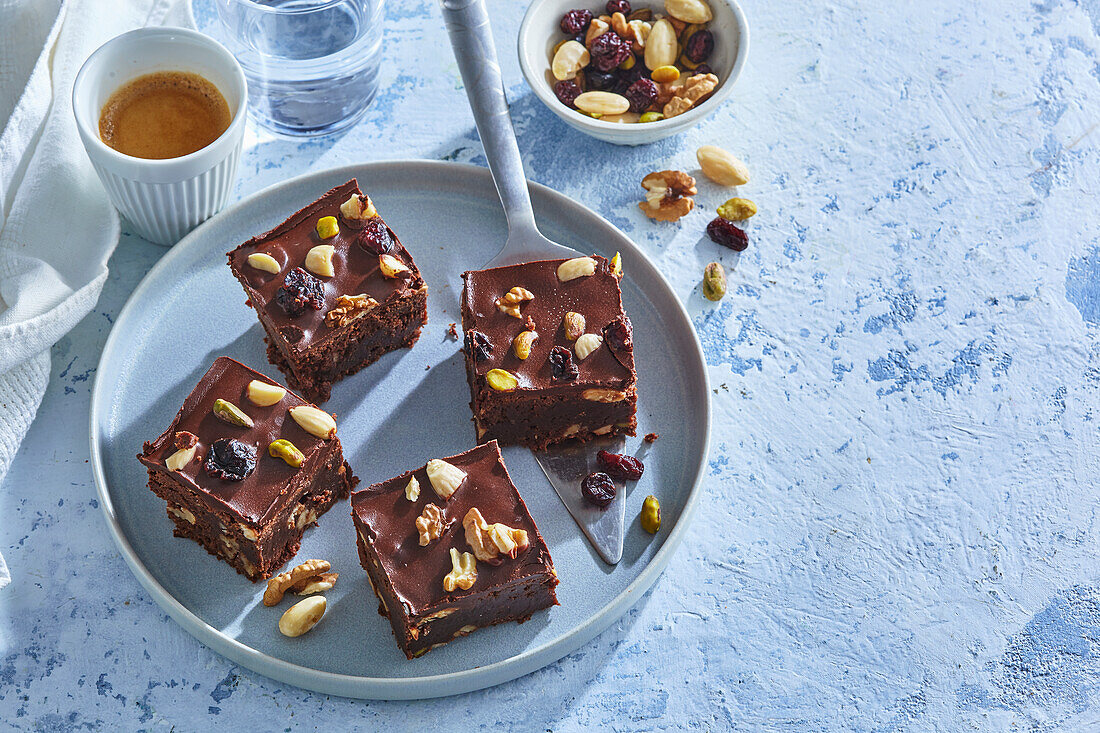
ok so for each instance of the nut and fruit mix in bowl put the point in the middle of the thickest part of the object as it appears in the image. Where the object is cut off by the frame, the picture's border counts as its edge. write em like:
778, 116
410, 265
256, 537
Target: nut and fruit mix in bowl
635, 65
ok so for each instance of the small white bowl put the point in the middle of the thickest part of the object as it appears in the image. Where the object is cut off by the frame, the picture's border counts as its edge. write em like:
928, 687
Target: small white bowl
540, 32
162, 199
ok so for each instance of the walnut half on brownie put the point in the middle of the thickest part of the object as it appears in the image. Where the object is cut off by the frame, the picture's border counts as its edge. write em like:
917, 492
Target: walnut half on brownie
333, 288
549, 352
246, 467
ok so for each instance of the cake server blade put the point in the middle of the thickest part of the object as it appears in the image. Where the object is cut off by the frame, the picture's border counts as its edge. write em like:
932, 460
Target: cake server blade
566, 466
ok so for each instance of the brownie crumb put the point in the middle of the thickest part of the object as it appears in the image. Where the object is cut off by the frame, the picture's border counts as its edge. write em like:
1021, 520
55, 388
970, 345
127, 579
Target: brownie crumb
452, 331
651, 437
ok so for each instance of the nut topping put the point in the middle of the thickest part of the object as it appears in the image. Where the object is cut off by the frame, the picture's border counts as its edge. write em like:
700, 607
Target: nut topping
463, 572
586, 344
314, 421
283, 448
444, 477
412, 489
358, 208
263, 393
180, 458
281, 583
616, 265
511, 301
522, 343
184, 439
490, 541
264, 261
391, 266
227, 412
576, 267
319, 260
574, 325
348, 308
501, 380
430, 524
302, 616
327, 228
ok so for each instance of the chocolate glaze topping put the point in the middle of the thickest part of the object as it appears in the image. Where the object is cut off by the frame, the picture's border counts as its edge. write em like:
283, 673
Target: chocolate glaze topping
255, 498
417, 572
596, 297
356, 268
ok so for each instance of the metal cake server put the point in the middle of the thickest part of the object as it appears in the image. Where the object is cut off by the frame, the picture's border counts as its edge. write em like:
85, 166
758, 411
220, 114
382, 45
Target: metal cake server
472, 40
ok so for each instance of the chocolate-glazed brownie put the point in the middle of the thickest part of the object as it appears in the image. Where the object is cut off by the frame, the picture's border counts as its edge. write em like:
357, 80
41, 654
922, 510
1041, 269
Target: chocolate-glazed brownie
223, 487
578, 379
330, 314
465, 513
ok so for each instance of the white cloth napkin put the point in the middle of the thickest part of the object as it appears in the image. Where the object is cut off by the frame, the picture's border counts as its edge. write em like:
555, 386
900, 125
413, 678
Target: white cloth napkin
57, 228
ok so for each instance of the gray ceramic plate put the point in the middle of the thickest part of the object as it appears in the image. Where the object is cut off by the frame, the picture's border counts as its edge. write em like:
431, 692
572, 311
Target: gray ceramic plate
393, 416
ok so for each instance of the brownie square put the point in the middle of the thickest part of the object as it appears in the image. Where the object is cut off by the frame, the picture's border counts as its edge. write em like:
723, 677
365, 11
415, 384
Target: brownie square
322, 327
553, 394
251, 516
411, 578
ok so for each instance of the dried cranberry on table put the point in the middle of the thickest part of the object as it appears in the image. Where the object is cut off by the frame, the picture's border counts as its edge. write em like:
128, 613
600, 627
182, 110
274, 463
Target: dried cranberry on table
567, 91
575, 21
726, 233
641, 95
562, 367
478, 345
699, 46
230, 459
619, 334
618, 6
598, 488
375, 237
609, 50
617, 465
300, 290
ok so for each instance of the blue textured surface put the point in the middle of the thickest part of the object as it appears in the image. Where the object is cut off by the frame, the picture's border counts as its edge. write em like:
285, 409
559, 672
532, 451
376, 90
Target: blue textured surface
900, 528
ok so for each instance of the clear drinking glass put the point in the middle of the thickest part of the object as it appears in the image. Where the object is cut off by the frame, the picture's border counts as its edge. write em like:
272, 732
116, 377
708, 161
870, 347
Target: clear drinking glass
311, 65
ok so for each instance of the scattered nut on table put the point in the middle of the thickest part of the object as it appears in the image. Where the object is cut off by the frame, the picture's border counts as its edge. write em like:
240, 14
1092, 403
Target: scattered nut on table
668, 195
316, 584
651, 514
281, 583
721, 166
714, 282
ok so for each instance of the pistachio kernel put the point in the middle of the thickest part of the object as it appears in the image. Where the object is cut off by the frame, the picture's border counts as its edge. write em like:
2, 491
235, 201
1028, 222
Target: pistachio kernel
283, 448
616, 265
327, 228
714, 282
501, 380
226, 411
651, 514
737, 209
665, 74
651, 117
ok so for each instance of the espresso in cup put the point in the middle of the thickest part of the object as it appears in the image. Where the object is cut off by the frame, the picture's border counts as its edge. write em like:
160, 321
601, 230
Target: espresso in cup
166, 114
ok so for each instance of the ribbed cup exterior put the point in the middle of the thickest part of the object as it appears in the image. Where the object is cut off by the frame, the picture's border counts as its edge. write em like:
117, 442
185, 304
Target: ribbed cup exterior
164, 212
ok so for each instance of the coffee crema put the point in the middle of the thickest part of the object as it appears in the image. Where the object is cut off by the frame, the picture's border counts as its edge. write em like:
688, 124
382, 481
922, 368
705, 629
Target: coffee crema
166, 114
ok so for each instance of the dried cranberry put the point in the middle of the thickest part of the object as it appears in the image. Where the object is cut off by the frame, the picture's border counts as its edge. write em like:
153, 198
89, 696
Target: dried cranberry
300, 290
567, 91
627, 468
375, 237
562, 367
618, 6
575, 21
598, 488
702, 69
619, 334
726, 233
699, 46
608, 51
230, 459
598, 81
478, 345
641, 94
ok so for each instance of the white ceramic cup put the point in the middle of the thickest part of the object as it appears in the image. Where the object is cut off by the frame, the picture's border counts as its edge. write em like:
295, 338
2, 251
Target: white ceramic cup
162, 199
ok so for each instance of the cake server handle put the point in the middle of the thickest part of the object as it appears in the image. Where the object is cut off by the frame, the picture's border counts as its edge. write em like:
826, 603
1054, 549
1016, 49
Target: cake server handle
472, 39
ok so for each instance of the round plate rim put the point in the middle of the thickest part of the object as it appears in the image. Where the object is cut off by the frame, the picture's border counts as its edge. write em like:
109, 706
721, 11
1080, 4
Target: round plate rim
405, 688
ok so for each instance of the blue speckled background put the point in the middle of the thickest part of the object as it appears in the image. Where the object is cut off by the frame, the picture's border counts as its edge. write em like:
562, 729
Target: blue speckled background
899, 530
